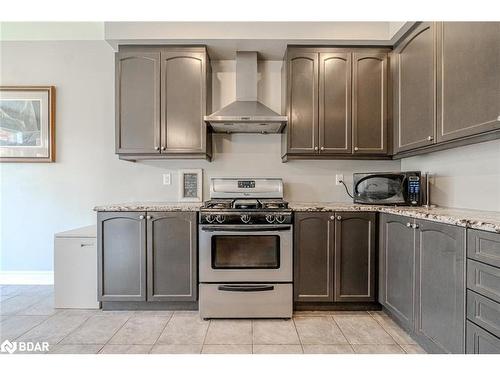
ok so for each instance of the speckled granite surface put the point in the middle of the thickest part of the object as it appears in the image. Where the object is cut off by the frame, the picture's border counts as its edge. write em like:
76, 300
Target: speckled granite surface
150, 206
483, 220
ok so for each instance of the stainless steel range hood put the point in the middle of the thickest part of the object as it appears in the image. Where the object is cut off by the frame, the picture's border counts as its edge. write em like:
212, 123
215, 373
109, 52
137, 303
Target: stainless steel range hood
246, 114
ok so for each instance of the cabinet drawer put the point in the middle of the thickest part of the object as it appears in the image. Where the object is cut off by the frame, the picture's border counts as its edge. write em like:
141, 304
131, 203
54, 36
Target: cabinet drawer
480, 341
484, 312
484, 279
483, 246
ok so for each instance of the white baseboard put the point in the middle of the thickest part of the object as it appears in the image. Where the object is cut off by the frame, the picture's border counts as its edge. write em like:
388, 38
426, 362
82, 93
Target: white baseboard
26, 277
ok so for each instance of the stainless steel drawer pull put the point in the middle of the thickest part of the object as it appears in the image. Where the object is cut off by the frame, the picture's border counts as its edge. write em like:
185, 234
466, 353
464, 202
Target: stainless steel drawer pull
245, 288
408, 225
415, 226
86, 244
141, 217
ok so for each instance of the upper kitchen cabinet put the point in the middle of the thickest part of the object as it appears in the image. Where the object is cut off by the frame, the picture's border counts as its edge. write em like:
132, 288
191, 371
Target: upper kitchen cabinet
414, 79
369, 103
469, 78
137, 111
162, 95
446, 79
302, 99
336, 102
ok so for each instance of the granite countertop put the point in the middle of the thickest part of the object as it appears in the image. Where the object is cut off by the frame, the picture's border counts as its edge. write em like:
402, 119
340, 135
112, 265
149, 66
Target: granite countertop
483, 220
150, 206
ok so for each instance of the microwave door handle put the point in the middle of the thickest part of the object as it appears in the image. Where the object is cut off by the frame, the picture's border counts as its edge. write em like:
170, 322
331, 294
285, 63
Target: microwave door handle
245, 288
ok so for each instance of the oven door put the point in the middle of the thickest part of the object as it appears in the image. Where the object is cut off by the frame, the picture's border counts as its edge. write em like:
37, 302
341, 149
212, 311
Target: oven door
380, 188
245, 253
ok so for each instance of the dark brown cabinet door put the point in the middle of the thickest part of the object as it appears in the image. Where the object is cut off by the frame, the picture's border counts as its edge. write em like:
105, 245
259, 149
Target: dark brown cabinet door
121, 238
137, 101
369, 103
183, 103
335, 103
302, 87
397, 268
172, 256
414, 90
469, 78
440, 292
355, 257
313, 256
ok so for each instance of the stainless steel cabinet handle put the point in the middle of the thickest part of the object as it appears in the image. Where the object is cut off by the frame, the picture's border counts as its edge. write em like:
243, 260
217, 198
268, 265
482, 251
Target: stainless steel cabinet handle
322, 148
149, 217
141, 217
332, 217
408, 225
430, 138
316, 148
339, 217
356, 148
157, 148
415, 226
163, 148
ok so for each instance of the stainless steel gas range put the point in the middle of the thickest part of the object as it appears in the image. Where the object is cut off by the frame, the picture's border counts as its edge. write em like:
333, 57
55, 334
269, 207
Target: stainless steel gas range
245, 250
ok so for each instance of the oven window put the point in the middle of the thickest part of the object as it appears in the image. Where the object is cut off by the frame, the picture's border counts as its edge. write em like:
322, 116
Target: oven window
240, 252
377, 188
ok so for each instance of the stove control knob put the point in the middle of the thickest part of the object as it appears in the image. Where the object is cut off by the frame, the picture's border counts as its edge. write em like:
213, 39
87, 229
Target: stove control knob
210, 218
280, 218
270, 218
220, 218
245, 218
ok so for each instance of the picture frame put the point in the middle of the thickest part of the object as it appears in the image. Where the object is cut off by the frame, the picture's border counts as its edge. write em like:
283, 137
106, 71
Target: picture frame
190, 185
27, 124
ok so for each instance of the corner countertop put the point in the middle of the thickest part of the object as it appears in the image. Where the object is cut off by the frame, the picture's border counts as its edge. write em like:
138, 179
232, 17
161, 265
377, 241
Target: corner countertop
150, 206
475, 219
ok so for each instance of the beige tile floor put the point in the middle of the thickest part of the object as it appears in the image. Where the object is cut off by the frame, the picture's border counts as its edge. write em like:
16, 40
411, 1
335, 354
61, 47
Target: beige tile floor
27, 314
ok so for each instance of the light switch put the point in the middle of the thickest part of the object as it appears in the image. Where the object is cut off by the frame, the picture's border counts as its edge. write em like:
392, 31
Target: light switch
338, 178
166, 179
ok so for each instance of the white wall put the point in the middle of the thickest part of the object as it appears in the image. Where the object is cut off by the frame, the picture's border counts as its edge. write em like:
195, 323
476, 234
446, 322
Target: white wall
464, 177
38, 200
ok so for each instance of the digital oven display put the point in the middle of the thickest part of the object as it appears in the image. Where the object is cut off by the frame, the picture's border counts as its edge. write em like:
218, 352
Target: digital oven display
246, 184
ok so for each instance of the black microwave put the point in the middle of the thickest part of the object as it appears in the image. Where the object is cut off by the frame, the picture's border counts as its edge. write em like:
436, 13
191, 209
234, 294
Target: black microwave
388, 188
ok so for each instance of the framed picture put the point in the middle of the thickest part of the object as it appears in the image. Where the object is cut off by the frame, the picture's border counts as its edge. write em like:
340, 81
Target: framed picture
190, 185
27, 124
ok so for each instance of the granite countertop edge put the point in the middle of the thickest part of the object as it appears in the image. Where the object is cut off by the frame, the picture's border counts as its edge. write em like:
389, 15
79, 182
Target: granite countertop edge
482, 220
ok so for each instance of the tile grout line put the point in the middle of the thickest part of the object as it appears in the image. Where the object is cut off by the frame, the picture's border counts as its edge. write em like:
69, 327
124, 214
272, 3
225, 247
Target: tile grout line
161, 333
298, 335
206, 334
397, 343
343, 334
114, 334
25, 332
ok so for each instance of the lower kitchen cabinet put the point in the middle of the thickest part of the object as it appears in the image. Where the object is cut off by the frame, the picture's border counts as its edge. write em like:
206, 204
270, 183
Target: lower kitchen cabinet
480, 341
355, 257
313, 253
147, 256
172, 256
334, 257
440, 292
422, 280
397, 268
121, 238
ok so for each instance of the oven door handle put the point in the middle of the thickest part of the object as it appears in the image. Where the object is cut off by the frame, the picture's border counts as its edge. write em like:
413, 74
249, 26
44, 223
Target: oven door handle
244, 228
245, 288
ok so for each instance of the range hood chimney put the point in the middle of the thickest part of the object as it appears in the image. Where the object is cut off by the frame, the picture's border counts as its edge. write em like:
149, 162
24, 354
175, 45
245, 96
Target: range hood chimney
246, 114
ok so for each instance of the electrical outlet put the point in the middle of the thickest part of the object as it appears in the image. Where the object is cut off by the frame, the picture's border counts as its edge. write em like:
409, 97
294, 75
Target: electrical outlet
166, 179
338, 178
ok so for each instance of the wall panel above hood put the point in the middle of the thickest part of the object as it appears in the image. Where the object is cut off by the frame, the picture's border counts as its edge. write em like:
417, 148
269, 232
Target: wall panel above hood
246, 114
